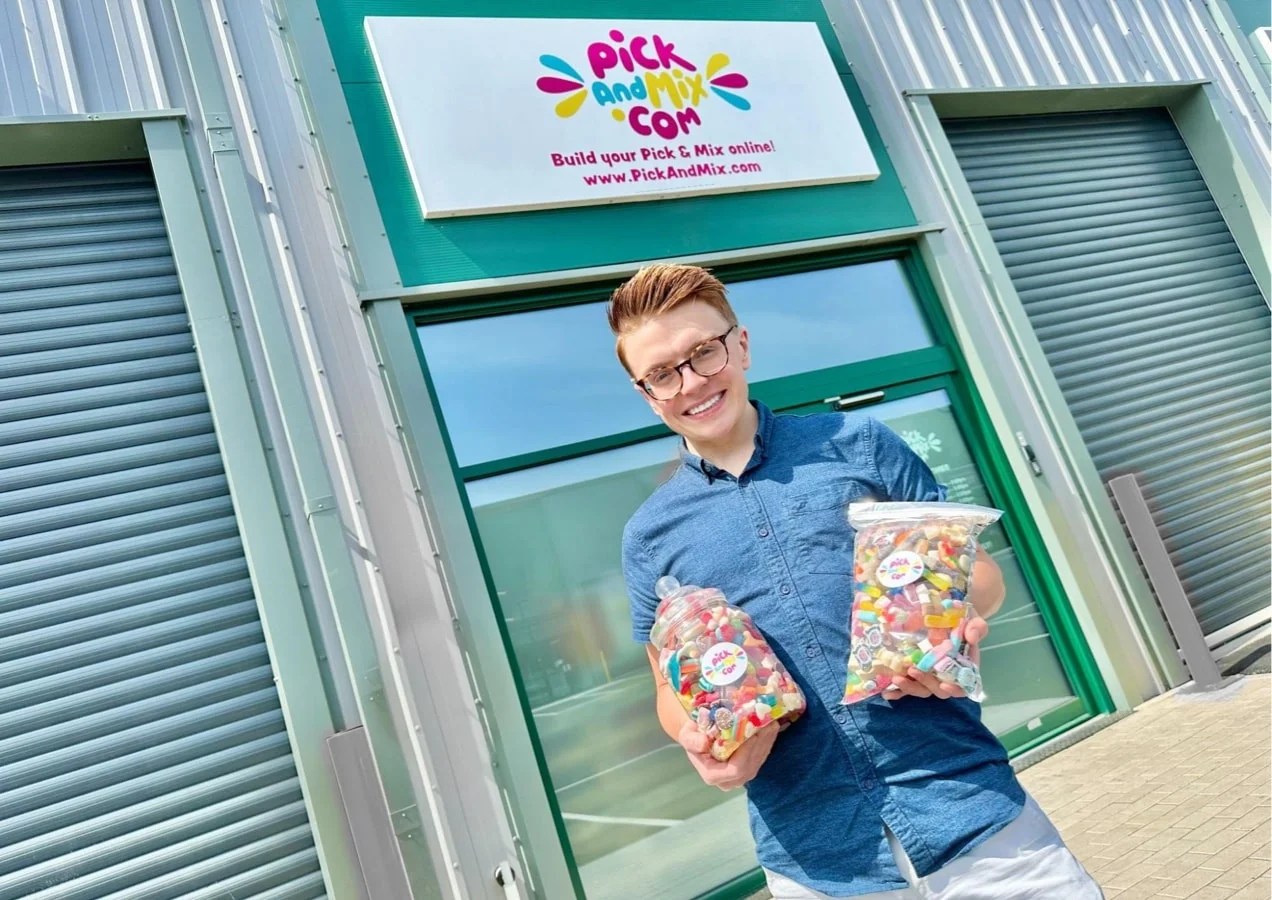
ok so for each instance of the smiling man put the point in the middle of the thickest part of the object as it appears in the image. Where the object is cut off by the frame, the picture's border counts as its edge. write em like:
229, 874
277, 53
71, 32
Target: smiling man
903, 796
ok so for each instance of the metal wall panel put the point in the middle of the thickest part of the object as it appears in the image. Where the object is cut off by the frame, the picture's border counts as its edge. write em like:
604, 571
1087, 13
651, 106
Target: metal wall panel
67, 57
142, 748
982, 44
1152, 323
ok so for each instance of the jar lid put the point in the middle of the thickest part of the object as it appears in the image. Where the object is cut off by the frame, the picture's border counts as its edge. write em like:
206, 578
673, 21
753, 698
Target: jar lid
677, 603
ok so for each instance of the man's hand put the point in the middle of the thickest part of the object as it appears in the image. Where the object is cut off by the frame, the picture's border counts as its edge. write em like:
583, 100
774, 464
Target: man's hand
925, 684
739, 768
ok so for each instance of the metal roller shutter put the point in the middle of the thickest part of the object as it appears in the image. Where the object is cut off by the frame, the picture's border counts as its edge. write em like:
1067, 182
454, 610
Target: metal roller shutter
1152, 324
142, 749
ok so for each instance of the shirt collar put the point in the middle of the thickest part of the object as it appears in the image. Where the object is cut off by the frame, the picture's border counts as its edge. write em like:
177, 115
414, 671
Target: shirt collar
763, 436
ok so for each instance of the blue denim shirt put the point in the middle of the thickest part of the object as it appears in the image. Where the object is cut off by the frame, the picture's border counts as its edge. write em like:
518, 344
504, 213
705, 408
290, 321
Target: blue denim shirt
777, 542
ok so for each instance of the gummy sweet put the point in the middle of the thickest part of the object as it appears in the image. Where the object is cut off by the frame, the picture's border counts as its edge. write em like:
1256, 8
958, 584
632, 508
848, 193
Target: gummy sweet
912, 567
720, 666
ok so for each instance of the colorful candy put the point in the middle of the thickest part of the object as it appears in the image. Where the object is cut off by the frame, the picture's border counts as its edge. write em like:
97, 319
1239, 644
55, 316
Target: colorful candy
912, 566
720, 666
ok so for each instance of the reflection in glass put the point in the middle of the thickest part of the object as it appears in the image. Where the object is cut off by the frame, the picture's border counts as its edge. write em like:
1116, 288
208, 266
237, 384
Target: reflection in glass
527, 381
1022, 672
634, 812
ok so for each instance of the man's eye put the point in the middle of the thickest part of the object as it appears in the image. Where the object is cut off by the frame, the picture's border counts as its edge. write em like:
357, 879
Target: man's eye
707, 351
659, 377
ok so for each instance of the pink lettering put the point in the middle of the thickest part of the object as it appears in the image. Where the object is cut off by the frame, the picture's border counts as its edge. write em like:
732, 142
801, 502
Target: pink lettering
667, 56
601, 57
638, 46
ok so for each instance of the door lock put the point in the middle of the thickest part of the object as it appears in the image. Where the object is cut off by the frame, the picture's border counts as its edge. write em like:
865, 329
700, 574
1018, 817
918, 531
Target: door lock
1030, 456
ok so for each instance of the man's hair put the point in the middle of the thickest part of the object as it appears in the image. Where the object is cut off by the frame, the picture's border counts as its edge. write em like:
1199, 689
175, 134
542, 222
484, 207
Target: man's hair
658, 289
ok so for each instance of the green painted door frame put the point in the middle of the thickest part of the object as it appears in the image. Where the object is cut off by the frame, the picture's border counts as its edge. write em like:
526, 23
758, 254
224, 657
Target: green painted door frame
940, 367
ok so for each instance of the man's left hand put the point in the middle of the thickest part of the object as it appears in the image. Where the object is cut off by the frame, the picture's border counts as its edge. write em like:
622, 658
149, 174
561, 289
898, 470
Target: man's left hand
925, 684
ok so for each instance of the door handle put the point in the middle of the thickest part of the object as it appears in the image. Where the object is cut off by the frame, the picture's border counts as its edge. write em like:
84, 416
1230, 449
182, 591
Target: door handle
842, 403
1030, 456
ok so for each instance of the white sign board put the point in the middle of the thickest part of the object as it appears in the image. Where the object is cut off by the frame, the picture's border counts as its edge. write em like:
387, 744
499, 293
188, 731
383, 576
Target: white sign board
496, 115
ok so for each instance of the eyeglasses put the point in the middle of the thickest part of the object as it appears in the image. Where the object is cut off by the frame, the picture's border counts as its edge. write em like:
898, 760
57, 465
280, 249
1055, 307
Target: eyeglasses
707, 359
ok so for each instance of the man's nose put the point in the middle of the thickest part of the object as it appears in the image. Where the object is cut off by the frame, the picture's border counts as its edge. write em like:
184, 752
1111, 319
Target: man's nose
690, 380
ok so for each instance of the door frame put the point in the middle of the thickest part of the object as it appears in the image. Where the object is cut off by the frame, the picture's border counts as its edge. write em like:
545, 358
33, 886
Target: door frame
942, 361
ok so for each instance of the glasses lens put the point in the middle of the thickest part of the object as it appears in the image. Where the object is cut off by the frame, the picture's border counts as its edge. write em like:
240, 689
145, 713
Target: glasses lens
710, 358
663, 384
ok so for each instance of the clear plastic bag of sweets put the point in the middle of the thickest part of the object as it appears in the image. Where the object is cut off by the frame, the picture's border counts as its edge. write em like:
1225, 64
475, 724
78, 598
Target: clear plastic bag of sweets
912, 567
720, 666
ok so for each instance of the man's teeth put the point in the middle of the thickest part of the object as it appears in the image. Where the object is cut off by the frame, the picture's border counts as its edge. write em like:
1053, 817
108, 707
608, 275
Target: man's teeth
702, 407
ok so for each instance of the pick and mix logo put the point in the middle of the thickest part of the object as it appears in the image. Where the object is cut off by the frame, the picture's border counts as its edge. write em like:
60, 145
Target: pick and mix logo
644, 82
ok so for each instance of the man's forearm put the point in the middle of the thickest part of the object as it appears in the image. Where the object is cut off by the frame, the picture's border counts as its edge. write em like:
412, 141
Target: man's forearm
988, 588
671, 715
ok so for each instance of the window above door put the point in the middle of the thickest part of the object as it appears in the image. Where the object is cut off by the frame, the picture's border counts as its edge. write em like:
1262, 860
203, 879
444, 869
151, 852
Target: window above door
522, 383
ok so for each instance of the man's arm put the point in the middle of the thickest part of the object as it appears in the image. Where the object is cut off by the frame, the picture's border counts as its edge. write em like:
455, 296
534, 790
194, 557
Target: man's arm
734, 772
671, 715
988, 588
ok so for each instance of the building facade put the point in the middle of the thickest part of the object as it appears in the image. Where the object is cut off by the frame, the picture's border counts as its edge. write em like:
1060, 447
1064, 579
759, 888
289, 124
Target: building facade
313, 485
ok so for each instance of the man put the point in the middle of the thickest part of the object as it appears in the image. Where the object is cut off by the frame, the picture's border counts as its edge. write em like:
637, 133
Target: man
903, 796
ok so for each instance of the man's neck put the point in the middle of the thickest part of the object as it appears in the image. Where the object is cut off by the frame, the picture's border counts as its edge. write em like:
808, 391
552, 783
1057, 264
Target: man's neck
735, 451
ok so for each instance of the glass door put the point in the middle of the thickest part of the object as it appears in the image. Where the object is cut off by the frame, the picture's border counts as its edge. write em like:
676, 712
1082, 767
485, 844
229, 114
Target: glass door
556, 451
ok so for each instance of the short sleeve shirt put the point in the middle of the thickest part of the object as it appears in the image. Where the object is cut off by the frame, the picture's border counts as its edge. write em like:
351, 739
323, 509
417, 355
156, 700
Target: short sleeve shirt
777, 542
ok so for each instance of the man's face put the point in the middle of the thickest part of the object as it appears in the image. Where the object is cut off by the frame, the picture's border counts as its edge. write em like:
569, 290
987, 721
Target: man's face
708, 409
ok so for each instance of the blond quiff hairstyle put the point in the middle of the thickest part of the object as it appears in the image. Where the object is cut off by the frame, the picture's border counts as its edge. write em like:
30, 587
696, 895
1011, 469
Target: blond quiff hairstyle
658, 289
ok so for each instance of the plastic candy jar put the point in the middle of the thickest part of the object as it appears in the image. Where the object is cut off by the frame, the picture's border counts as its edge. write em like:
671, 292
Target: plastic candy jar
720, 666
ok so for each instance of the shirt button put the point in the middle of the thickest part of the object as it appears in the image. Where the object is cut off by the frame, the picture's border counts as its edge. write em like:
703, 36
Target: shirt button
763, 532
811, 650
841, 717
868, 785
785, 589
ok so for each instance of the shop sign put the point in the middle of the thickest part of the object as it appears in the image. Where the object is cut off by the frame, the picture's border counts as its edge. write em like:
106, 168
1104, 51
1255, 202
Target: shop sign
497, 115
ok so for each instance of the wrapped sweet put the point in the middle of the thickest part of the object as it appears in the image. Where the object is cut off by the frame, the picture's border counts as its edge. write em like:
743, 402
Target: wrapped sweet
912, 568
720, 666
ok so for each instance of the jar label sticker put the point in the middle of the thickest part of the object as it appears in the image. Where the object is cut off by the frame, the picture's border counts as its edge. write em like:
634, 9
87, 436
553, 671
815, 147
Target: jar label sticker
901, 568
724, 663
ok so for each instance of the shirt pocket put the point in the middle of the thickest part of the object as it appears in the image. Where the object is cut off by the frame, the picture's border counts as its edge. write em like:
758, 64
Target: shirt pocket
818, 521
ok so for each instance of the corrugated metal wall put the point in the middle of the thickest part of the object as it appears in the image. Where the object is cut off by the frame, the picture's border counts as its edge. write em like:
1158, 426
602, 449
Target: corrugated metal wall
142, 747
951, 44
65, 57
1152, 323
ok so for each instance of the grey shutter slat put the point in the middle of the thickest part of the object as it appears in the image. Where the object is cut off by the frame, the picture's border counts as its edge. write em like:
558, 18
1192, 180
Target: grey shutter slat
142, 749
1151, 321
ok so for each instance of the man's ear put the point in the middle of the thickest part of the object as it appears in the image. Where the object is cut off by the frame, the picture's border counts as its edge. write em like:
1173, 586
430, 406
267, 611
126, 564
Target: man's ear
744, 342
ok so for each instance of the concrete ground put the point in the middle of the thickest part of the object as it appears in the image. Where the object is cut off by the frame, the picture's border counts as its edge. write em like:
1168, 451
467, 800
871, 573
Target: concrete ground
1173, 800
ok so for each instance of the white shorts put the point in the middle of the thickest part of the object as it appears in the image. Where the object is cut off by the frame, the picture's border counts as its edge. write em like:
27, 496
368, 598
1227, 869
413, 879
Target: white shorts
1027, 860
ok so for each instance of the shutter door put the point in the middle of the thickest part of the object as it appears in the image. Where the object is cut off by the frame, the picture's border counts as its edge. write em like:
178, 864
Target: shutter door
1152, 324
142, 749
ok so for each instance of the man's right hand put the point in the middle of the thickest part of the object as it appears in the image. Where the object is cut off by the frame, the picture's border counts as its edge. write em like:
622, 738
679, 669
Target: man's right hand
739, 768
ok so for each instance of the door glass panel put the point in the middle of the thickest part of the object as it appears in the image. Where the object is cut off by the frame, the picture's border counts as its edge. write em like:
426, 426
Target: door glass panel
635, 812
632, 809
1022, 672
527, 381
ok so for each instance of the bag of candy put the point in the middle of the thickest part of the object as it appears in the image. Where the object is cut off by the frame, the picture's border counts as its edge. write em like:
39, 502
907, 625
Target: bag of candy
720, 666
912, 567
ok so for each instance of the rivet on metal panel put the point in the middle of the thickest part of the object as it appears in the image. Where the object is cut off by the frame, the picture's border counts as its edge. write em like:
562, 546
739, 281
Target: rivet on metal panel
319, 504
